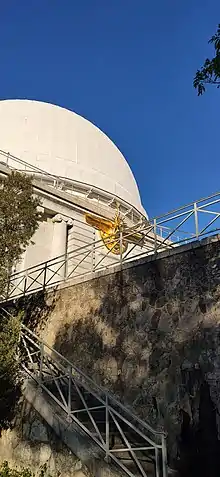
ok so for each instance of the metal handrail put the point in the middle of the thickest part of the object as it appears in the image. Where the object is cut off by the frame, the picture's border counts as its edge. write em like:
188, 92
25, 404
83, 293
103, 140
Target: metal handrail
62, 381
58, 355
62, 180
47, 367
172, 211
92, 257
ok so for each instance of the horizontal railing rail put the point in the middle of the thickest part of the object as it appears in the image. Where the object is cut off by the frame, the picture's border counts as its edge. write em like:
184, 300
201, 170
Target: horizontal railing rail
181, 226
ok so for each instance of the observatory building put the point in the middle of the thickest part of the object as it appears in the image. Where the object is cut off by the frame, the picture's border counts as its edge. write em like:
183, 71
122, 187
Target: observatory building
83, 181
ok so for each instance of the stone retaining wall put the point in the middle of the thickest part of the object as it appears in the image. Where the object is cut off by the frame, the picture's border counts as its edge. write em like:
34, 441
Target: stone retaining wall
151, 334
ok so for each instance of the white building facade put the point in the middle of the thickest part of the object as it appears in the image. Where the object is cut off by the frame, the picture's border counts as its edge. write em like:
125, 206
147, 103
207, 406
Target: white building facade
76, 170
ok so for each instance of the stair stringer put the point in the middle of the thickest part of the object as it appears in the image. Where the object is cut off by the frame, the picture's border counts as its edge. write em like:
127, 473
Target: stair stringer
70, 434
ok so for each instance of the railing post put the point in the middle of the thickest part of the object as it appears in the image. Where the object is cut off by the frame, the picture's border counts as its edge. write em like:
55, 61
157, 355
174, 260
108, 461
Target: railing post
25, 282
121, 248
155, 236
45, 275
157, 463
65, 266
196, 220
106, 430
93, 253
69, 393
164, 456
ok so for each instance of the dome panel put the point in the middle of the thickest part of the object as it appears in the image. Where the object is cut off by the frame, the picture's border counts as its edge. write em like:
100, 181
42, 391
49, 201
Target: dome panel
65, 144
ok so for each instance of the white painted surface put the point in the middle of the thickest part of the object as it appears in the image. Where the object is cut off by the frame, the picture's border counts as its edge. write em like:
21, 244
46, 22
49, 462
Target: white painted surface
65, 144
58, 246
40, 250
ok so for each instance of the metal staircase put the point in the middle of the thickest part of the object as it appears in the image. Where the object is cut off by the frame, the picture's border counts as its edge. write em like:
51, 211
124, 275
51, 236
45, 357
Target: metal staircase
124, 439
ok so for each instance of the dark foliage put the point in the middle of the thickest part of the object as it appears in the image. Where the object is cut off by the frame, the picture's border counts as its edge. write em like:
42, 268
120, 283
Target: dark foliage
9, 366
19, 219
210, 71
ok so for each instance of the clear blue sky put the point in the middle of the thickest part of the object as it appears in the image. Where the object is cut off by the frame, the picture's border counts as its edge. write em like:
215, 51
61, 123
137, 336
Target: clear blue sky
127, 66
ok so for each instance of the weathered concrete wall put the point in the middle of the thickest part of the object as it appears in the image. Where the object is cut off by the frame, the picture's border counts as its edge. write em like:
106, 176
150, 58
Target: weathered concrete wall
151, 334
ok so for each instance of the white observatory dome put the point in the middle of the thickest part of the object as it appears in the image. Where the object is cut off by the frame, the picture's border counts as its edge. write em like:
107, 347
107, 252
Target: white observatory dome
65, 144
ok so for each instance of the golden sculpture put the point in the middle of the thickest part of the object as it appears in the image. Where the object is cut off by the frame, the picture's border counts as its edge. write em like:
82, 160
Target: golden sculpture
115, 234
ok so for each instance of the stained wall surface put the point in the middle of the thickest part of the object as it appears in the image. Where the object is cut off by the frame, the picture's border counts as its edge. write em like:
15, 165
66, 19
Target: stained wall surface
32, 444
151, 334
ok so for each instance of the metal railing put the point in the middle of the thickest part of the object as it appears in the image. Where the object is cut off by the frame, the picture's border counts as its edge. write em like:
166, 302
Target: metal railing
71, 186
137, 448
186, 224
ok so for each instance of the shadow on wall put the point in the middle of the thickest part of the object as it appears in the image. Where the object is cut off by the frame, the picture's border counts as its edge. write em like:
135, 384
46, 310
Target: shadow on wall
199, 446
10, 393
151, 335
35, 308
9, 369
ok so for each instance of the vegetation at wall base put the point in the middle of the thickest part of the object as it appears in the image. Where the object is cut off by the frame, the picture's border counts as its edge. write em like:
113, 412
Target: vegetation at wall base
7, 471
9, 368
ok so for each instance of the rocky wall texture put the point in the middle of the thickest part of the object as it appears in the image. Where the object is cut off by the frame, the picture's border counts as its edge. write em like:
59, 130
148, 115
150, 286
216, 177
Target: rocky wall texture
151, 334
32, 444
